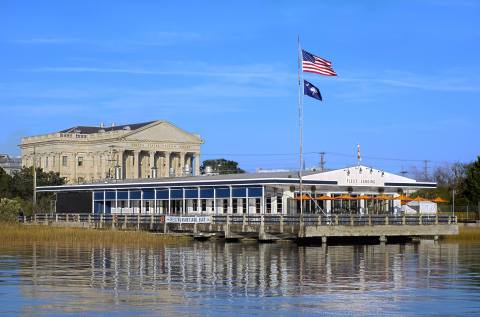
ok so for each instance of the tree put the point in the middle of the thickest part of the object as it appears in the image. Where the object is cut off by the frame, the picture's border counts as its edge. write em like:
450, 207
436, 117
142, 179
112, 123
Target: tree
22, 187
22, 181
451, 176
221, 166
5, 183
9, 209
448, 177
471, 186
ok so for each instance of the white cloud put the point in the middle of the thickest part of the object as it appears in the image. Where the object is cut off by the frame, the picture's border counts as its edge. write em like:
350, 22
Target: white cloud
453, 80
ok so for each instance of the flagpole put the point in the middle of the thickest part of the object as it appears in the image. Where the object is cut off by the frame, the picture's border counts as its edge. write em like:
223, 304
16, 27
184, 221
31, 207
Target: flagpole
300, 119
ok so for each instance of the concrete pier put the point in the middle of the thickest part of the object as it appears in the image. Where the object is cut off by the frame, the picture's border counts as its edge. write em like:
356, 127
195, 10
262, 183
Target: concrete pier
266, 227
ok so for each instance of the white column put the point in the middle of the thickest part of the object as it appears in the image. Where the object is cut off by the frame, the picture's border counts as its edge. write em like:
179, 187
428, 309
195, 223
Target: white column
196, 170
183, 202
214, 201
116, 200
169, 200
328, 204
262, 201
136, 165
128, 201
167, 164
230, 202
153, 171
74, 168
154, 201
199, 201
182, 164
247, 204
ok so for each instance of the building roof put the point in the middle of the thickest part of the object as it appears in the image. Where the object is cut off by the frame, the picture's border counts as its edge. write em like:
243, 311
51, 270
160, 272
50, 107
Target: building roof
356, 176
91, 129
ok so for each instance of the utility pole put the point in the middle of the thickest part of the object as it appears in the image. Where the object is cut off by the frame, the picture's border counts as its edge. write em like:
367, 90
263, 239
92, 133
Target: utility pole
322, 161
425, 169
403, 172
453, 202
34, 179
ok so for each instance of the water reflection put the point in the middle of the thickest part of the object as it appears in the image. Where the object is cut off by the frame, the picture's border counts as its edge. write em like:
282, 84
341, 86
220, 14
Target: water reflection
236, 279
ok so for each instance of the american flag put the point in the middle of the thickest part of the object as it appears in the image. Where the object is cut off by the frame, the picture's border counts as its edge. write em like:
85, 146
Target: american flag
317, 65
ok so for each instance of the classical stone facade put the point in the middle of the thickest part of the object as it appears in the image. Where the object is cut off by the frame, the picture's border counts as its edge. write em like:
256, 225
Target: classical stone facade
143, 150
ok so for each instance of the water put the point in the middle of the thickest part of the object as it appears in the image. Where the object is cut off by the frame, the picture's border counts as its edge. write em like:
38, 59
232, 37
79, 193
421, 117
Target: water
217, 279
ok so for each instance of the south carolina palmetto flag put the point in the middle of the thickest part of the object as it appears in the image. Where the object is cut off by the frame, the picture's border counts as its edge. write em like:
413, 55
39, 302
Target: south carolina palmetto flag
317, 65
310, 90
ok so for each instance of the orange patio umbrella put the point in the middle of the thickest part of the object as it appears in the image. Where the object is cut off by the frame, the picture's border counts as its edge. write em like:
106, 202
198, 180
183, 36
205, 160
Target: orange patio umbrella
383, 197
324, 198
419, 199
363, 197
304, 197
439, 200
402, 198
344, 197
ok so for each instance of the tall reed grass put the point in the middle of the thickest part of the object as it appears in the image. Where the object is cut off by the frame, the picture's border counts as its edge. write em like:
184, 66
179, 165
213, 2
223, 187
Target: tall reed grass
465, 234
19, 233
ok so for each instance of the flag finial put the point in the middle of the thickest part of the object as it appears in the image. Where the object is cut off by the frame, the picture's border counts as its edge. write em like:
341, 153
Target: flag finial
359, 157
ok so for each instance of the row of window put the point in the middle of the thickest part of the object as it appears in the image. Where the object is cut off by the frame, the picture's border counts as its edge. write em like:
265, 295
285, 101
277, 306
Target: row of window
239, 205
64, 161
180, 193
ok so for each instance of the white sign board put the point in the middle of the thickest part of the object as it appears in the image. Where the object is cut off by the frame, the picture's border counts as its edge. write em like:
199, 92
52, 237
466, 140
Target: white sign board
188, 219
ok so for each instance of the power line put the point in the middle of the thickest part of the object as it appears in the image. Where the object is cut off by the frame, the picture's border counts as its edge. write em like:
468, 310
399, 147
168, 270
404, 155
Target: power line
324, 153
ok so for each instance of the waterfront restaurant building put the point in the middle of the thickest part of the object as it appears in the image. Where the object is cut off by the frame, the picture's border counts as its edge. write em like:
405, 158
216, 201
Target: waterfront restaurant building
355, 189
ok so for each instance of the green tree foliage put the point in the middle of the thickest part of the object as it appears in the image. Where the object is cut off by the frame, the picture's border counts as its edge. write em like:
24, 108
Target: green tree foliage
9, 209
5, 184
221, 166
20, 187
22, 181
472, 181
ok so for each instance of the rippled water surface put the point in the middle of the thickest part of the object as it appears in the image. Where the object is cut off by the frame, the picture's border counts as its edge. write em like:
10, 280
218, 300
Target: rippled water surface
217, 279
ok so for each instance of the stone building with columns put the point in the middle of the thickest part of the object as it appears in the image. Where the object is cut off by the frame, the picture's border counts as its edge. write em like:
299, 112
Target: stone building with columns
81, 154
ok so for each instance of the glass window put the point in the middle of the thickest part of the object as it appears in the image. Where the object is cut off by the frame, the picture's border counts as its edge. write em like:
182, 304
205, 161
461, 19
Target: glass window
64, 160
225, 206
279, 205
80, 161
234, 205
268, 202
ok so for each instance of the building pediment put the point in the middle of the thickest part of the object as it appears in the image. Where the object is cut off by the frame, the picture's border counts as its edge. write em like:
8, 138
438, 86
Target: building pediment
360, 176
163, 131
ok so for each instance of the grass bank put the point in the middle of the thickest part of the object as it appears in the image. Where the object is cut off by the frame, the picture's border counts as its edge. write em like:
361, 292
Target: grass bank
465, 234
20, 233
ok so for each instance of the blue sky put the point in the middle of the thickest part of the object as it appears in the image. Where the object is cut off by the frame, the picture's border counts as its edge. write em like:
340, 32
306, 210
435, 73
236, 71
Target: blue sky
408, 85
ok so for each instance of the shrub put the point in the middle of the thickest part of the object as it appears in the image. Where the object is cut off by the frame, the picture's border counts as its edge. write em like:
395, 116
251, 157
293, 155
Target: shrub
9, 209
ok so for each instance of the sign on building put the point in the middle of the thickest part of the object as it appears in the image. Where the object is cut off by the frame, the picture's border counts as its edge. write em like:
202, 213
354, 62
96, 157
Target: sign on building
188, 219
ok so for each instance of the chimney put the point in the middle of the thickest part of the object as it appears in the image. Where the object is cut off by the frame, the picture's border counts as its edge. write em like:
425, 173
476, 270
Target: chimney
101, 125
113, 124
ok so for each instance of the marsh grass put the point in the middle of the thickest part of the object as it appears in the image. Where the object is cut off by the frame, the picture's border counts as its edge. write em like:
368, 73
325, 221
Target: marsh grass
465, 234
11, 233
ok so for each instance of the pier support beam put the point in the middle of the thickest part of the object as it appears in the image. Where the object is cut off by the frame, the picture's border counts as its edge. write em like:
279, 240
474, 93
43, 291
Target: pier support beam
383, 239
324, 240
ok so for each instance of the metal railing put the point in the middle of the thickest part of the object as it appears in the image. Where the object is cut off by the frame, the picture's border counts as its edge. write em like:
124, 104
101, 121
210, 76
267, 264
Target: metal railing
307, 220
